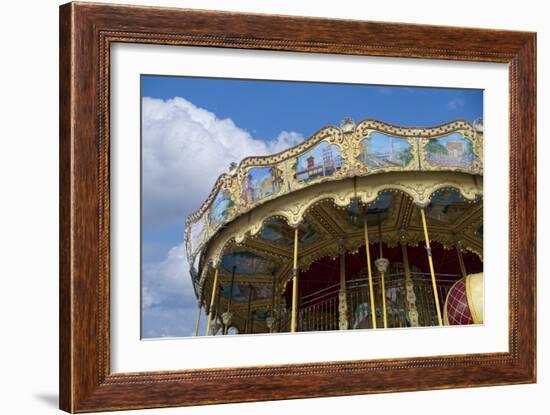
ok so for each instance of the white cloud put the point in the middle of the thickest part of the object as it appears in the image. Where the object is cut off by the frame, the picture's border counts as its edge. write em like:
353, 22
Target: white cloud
456, 103
185, 149
168, 305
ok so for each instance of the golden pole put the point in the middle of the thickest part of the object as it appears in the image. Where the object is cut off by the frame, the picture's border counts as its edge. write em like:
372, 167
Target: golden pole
198, 320
270, 321
214, 289
248, 308
461, 260
217, 317
409, 286
342, 300
228, 312
371, 291
382, 275
431, 263
294, 283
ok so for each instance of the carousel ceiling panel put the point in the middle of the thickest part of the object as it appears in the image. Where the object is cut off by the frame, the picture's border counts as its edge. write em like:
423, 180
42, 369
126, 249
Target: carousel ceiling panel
448, 208
246, 262
242, 292
277, 230
333, 154
383, 211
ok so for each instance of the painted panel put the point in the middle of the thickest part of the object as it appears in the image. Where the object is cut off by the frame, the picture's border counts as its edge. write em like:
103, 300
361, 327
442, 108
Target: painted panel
382, 151
452, 150
259, 183
277, 230
377, 212
221, 207
197, 234
241, 292
323, 160
247, 263
446, 206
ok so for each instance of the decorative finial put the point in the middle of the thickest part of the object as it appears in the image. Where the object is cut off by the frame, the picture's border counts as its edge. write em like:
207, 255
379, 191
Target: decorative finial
233, 168
226, 318
478, 124
382, 264
347, 125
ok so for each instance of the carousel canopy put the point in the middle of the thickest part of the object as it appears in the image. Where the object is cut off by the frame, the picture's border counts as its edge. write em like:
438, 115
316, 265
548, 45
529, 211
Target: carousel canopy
325, 186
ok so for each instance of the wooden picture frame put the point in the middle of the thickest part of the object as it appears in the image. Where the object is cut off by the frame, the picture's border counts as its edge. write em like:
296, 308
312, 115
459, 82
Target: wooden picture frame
86, 33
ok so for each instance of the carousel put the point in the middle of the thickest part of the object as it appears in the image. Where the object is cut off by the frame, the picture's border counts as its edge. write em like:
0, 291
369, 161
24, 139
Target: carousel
362, 226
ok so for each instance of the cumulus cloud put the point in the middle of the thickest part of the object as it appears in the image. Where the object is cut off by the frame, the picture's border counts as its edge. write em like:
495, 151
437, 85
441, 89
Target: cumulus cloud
167, 296
456, 103
184, 149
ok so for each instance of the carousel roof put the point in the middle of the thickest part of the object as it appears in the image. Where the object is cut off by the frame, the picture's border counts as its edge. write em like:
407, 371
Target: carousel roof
323, 185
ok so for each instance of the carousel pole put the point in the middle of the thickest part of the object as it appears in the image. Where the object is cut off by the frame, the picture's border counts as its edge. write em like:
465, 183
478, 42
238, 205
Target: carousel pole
217, 316
270, 321
461, 259
197, 324
431, 264
342, 303
294, 283
367, 249
212, 299
382, 266
409, 287
226, 317
248, 308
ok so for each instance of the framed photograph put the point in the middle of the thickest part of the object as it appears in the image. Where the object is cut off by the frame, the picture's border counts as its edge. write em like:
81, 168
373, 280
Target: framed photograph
259, 207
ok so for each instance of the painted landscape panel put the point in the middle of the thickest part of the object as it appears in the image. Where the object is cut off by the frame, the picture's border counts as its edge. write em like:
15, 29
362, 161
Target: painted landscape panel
451, 150
259, 183
322, 160
380, 151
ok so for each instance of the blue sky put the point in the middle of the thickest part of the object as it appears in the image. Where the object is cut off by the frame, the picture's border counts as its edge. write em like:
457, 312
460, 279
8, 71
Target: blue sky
192, 128
266, 107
